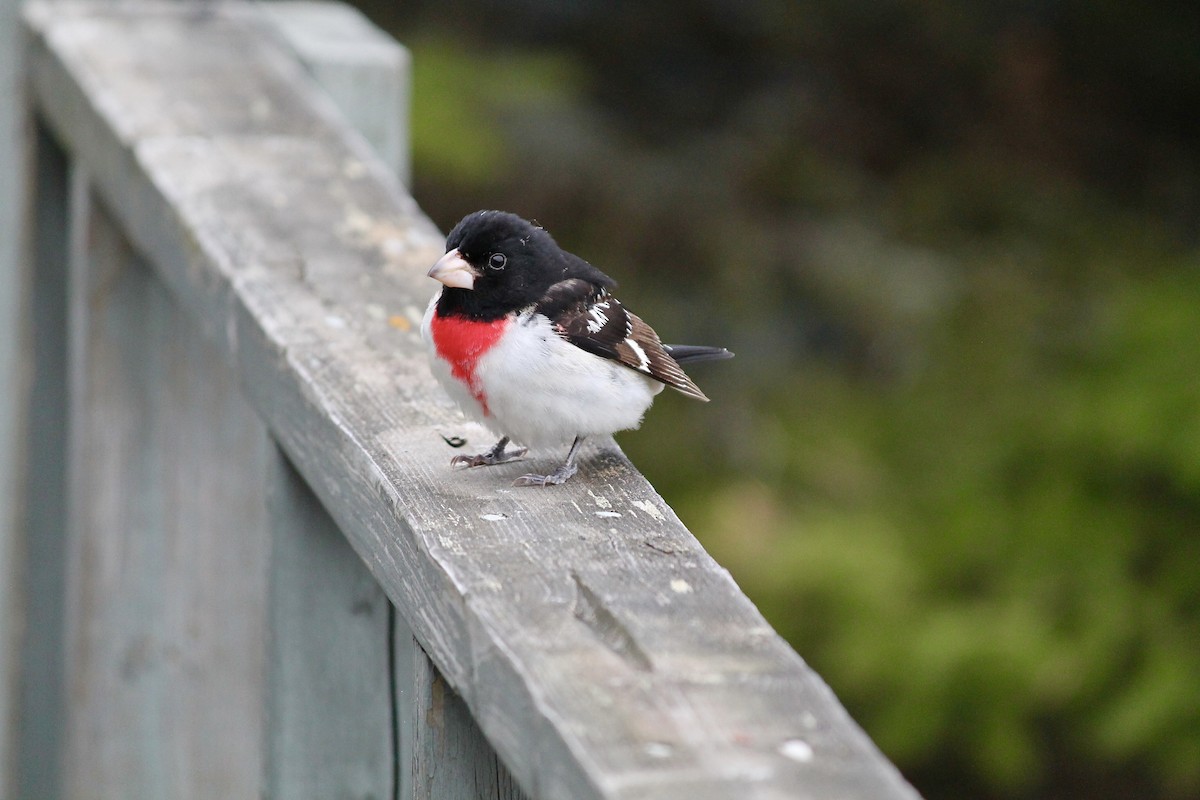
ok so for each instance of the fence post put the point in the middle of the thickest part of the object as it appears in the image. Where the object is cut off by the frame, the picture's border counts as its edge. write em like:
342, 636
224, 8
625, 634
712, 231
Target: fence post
328, 616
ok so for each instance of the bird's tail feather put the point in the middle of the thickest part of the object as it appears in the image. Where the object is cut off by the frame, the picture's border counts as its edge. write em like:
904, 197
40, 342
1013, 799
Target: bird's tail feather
691, 353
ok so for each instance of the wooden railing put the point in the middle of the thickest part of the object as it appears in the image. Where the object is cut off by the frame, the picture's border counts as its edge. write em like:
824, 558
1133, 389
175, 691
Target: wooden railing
240, 564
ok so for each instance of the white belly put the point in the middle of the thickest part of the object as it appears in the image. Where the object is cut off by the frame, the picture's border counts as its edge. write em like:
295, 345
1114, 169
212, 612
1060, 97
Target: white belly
542, 390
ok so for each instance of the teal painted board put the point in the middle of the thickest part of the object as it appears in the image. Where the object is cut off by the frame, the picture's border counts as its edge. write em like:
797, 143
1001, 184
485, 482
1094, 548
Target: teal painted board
13, 341
452, 760
329, 726
42, 521
404, 699
167, 555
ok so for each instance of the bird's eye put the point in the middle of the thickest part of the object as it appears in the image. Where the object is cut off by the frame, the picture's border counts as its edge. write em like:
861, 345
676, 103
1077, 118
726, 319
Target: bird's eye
497, 261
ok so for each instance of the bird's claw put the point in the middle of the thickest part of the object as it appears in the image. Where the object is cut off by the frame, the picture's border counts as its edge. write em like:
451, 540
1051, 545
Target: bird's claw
477, 460
489, 458
555, 478
534, 480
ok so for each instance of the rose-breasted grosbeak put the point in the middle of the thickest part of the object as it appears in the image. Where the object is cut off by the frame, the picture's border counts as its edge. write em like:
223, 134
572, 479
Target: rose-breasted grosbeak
527, 339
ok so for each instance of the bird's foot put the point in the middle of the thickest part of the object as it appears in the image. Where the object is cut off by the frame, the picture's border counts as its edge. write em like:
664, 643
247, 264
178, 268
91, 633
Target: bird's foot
497, 455
559, 475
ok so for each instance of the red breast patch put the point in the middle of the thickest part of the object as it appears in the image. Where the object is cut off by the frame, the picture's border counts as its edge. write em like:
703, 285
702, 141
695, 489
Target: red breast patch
460, 342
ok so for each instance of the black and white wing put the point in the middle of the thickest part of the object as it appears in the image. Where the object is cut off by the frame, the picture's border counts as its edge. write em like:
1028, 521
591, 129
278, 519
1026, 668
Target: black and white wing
590, 318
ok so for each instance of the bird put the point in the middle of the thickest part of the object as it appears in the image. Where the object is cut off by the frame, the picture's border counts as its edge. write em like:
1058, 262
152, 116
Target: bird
529, 340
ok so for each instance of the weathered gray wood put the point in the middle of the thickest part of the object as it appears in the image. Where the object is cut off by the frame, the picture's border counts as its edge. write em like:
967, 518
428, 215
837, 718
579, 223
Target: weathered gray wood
451, 758
598, 647
167, 555
365, 71
330, 721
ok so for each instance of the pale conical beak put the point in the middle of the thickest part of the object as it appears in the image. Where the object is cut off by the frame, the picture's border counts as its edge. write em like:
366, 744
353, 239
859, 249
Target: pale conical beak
454, 271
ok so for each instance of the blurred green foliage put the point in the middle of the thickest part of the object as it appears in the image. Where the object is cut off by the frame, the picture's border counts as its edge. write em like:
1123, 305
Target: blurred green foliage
451, 134
995, 560
957, 460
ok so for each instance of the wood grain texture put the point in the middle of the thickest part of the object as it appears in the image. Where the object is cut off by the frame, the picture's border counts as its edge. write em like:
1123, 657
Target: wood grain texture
599, 648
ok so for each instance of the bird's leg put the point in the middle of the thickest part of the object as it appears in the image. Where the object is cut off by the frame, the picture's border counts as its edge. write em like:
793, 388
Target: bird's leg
559, 475
497, 455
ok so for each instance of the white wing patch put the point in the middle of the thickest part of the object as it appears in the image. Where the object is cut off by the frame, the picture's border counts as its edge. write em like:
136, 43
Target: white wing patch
643, 359
597, 318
